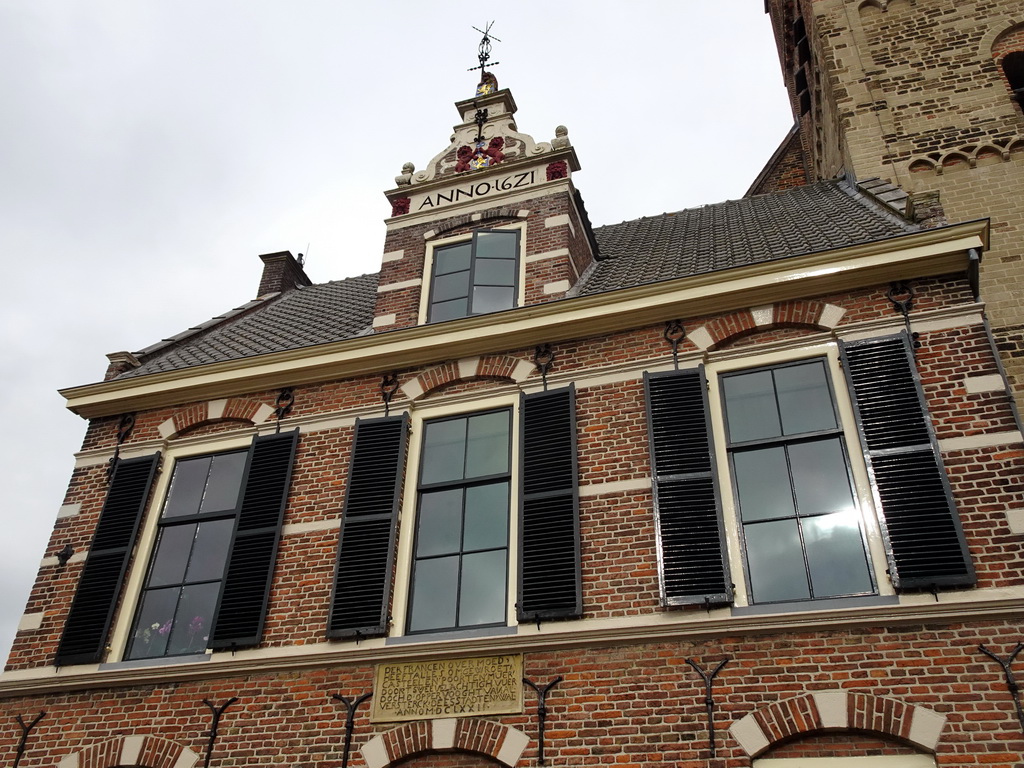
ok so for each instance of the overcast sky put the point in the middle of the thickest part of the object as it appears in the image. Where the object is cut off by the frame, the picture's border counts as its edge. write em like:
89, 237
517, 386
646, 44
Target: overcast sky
151, 149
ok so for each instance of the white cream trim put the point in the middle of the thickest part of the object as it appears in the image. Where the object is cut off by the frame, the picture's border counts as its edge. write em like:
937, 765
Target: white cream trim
69, 761
977, 384
468, 367
215, 409
763, 315
588, 490
523, 213
167, 428
931, 252
382, 321
414, 283
412, 389
559, 286
476, 217
832, 708
747, 731
131, 748
443, 733
831, 315
513, 746
546, 255
69, 510
295, 529
374, 753
186, 758
561, 220
1015, 519
263, 413
655, 627
31, 621
701, 337
522, 371
393, 256
926, 727
985, 440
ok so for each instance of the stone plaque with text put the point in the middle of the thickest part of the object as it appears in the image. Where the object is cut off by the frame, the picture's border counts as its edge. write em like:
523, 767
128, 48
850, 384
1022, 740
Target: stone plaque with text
485, 685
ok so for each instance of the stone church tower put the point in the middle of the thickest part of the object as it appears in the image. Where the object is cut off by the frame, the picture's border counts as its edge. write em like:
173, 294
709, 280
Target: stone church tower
925, 95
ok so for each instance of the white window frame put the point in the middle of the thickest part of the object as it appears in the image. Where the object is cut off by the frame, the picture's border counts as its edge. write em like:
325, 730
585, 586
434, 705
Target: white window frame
863, 499
135, 584
407, 515
433, 245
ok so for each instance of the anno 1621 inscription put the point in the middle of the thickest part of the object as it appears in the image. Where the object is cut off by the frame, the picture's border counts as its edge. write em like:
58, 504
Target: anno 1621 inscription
484, 685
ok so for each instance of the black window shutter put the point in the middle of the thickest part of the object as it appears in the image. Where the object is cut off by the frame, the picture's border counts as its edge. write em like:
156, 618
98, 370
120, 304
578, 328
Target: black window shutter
923, 539
243, 600
92, 610
691, 544
369, 524
549, 527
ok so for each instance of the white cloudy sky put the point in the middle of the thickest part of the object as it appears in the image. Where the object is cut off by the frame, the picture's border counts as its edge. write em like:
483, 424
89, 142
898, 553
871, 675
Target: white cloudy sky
151, 149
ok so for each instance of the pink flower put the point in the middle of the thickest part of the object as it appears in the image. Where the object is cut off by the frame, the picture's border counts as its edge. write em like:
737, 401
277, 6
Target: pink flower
165, 628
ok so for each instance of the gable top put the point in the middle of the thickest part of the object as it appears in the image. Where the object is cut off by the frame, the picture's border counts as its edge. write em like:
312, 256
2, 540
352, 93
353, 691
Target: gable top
810, 219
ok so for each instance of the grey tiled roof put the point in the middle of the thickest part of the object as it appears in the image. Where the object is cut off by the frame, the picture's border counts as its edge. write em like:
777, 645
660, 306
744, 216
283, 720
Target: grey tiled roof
809, 219
302, 317
817, 217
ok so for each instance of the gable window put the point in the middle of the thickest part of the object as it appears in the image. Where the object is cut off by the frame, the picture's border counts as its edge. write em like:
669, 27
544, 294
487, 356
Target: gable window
1013, 69
474, 277
460, 562
799, 524
186, 570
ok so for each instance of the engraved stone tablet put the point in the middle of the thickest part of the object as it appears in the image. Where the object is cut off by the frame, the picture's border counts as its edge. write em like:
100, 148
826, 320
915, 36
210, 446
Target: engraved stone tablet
487, 685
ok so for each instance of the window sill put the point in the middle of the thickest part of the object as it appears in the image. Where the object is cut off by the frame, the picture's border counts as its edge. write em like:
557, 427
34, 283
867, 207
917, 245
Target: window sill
809, 606
455, 634
159, 661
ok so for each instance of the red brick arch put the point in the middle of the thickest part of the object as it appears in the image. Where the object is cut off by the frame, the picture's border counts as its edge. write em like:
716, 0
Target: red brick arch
722, 331
487, 738
488, 366
200, 414
150, 751
838, 710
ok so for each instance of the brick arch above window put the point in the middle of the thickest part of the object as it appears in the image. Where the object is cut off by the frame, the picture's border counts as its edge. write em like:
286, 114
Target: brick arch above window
506, 367
722, 331
487, 738
150, 751
198, 415
762, 729
480, 217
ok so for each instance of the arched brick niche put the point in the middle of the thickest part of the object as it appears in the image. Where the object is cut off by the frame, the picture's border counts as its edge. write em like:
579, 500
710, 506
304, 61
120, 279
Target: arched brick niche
149, 751
485, 738
489, 366
820, 711
198, 415
722, 331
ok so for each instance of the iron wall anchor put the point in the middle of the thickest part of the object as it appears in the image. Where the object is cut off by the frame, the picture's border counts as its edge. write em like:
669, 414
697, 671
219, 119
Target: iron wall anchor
709, 700
542, 712
25, 730
350, 720
1011, 681
215, 725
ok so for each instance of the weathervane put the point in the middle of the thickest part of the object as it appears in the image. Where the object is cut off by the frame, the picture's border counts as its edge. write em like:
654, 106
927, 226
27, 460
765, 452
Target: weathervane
488, 82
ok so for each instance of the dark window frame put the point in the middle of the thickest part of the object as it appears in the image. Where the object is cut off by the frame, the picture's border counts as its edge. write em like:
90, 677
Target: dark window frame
839, 433
464, 483
163, 524
472, 271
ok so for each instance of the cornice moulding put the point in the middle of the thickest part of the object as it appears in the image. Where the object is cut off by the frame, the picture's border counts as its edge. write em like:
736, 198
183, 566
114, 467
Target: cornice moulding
922, 254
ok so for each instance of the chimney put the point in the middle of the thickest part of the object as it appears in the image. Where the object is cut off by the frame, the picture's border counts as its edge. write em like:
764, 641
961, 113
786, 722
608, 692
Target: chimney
281, 272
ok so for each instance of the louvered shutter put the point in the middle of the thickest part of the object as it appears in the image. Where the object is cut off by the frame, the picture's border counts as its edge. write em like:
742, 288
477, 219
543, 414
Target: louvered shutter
549, 528
92, 610
691, 544
924, 542
369, 523
243, 600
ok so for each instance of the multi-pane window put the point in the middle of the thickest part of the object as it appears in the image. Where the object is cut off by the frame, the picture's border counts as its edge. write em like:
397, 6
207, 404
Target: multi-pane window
799, 525
460, 561
186, 570
474, 277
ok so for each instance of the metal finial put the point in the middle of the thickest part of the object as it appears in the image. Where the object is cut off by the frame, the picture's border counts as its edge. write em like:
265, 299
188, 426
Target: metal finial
484, 50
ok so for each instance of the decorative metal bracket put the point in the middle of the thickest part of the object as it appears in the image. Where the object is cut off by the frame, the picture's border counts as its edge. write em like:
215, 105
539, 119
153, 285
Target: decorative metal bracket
709, 700
481, 118
388, 387
902, 297
542, 712
25, 731
124, 429
64, 555
674, 335
1011, 681
217, 713
351, 705
283, 405
543, 358
484, 50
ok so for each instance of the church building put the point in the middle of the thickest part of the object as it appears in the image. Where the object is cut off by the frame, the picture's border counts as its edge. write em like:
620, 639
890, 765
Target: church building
738, 485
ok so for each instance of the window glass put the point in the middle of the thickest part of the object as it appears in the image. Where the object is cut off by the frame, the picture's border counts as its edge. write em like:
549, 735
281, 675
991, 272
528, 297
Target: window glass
460, 554
800, 528
475, 277
186, 570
